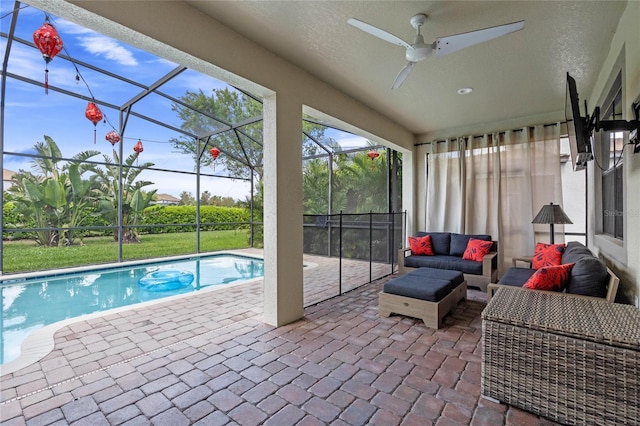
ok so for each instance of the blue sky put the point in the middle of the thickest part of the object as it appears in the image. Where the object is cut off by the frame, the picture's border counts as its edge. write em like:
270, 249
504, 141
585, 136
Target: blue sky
30, 113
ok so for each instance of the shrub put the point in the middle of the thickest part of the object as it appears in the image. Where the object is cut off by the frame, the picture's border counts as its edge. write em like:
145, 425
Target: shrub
212, 218
13, 219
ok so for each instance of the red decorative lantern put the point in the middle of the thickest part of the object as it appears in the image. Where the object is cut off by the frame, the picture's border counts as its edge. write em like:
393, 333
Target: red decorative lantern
94, 115
215, 151
373, 154
138, 147
112, 137
49, 43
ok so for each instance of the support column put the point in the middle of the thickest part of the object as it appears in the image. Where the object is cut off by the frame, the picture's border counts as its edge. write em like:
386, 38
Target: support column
283, 281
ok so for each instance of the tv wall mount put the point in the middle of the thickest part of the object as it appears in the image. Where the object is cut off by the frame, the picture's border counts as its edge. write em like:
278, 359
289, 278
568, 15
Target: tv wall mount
631, 126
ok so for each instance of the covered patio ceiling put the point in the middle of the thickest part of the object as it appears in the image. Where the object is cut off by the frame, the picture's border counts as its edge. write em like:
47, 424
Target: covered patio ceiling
518, 79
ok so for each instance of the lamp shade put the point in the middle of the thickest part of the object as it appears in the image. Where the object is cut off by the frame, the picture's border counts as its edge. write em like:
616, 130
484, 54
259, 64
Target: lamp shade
551, 214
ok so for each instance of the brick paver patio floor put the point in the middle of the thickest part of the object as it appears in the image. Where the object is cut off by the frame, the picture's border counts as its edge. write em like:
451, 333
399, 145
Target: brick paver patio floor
208, 359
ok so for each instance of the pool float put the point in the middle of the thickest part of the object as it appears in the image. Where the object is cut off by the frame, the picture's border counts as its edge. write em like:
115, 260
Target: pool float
165, 280
147, 295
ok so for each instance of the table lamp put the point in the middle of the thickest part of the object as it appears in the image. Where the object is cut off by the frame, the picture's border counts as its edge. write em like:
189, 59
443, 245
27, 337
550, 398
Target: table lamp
551, 214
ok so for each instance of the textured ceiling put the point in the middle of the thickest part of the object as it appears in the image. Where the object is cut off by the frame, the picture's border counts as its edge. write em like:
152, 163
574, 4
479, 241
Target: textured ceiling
521, 75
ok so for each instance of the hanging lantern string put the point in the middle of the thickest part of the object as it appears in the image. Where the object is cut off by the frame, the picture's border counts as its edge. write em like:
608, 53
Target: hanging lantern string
11, 12
147, 140
49, 43
79, 76
94, 115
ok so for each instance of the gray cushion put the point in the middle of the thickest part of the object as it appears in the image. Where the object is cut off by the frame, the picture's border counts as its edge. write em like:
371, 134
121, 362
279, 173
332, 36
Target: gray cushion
440, 241
516, 277
589, 277
574, 252
455, 263
577, 254
574, 244
455, 277
459, 242
418, 287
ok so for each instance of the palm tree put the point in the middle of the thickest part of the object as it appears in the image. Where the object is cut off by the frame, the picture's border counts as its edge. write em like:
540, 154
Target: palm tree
55, 194
315, 184
134, 199
364, 183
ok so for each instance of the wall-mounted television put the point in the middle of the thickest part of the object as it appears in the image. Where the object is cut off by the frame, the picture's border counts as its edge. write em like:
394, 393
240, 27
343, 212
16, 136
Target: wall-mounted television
577, 127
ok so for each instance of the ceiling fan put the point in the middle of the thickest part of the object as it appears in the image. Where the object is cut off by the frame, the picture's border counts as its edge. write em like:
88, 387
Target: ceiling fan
419, 50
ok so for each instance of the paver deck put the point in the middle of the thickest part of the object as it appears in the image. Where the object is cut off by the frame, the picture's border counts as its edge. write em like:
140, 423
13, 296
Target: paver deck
208, 359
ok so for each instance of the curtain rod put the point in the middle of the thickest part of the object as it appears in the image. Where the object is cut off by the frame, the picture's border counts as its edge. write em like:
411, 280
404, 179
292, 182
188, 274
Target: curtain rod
479, 136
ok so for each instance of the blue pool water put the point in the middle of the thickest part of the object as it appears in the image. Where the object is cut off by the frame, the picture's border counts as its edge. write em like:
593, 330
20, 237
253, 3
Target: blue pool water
30, 304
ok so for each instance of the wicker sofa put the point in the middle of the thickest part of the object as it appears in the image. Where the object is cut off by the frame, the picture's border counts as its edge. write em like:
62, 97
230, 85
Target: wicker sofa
448, 248
589, 277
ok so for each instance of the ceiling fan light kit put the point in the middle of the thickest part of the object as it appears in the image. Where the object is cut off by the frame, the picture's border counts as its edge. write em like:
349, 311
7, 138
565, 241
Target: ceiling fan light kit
419, 50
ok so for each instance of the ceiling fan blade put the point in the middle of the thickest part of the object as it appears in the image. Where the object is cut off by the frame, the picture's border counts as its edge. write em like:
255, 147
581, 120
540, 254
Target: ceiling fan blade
381, 34
402, 75
453, 43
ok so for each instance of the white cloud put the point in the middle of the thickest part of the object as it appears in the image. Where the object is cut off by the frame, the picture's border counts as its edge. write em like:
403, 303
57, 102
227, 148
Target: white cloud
104, 46
349, 141
66, 27
164, 62
194, 82
25, 62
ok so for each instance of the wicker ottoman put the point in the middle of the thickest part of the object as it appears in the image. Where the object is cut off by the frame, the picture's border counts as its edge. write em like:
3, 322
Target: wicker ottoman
426, 293
573, 360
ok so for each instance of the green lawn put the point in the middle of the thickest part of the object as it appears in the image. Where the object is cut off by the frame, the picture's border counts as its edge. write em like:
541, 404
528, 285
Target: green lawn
26, 256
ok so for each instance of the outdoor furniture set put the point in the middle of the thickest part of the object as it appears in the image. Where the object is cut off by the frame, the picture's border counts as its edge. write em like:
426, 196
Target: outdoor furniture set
448, 252
571, 355
435, 274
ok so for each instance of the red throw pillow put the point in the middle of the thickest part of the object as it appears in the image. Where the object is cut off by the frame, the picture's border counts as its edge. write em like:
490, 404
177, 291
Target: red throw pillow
547, 255
477, 249
421, 245
552, 278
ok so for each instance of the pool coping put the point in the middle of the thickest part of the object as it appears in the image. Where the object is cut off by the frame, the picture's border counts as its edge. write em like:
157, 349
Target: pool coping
41, 342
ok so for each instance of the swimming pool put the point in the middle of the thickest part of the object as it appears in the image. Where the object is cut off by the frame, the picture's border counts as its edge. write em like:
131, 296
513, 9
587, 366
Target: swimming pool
29, 304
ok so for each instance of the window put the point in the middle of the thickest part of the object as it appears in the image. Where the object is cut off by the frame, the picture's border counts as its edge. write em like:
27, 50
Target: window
612, 166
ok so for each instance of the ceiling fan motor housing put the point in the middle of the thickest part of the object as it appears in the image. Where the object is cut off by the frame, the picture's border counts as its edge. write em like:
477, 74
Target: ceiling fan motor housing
419, 50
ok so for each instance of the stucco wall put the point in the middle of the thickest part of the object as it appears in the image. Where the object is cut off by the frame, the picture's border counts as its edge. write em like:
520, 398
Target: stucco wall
622, 256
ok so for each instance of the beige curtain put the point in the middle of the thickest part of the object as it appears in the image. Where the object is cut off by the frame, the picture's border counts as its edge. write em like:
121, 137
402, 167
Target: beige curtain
496, 185
532, 179
482, 185
445, 196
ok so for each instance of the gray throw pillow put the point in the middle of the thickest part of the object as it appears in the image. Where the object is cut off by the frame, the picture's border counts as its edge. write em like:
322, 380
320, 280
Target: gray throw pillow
440, 241
459, 242
589, 277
